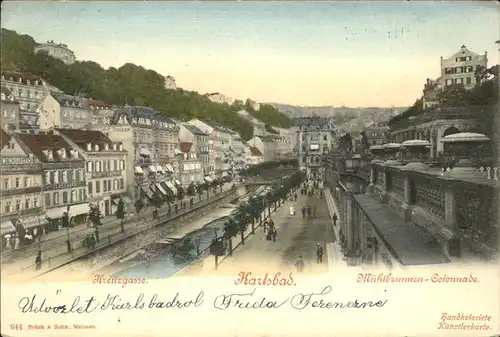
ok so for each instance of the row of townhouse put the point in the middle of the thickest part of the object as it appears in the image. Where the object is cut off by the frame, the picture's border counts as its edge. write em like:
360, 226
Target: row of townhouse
47, 173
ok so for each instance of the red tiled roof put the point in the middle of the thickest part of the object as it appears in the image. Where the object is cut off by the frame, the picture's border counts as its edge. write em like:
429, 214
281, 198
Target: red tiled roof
23, 76
255, 151
185, 147
44, 141
96, 102
83, 137
4, 138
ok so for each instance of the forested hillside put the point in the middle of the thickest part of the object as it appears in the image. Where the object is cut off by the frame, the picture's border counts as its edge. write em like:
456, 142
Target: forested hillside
130, 84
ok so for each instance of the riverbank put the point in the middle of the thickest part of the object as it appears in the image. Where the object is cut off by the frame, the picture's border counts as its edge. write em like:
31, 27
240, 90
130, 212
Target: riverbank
84, 269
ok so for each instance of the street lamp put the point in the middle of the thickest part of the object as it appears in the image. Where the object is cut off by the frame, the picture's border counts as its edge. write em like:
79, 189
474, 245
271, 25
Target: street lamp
197, 242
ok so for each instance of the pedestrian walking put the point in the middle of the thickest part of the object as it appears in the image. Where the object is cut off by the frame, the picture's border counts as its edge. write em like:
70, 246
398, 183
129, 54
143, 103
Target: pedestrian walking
299, 264
275, 232
265, 226
304, 212
295, 196
314, 211
319, 253
308, 211
334, 218
38, 261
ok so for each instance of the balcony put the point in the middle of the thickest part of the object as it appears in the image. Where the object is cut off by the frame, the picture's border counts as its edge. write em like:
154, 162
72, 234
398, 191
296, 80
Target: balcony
20, 191
106, 174
64, 185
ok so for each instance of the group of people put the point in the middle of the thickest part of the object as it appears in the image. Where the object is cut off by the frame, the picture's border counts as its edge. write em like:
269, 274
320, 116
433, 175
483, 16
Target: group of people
309, 211
270, 229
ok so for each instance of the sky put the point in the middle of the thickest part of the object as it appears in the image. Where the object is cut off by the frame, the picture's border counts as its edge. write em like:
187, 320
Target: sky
357, 54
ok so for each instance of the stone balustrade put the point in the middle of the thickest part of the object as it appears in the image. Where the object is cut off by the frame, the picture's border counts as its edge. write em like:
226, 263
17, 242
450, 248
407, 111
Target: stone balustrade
416, 214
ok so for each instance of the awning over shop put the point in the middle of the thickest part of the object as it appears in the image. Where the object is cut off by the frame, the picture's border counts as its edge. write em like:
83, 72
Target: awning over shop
43, 220
177, 182
139, 170
7, 227
152, 168
147, 191
159, 169
158, 186
208, 179
31, 222
56, 213
171, 186
144, 152
79, 209
169, 168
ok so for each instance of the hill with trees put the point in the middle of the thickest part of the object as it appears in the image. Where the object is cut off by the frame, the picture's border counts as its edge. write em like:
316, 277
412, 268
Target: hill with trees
129, 84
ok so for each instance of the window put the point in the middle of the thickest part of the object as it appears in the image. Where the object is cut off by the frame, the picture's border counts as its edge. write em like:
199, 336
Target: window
105, 186
7, 206
77, 175
6, 183
109, 184
27, 203
64, 176
122, 184
468, 80
47, 199
89, 187
35, 202
115, 184
65, 197
81, 194
18, 182
26, 182
18, 205
89, 166
55, 198
73, 196
448, 71
97, 187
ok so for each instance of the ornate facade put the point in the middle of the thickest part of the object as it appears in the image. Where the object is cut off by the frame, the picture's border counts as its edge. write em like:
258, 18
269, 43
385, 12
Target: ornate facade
315, 138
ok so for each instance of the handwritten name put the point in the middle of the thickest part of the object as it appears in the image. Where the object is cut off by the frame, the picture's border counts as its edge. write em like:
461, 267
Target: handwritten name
246, 278
298, 301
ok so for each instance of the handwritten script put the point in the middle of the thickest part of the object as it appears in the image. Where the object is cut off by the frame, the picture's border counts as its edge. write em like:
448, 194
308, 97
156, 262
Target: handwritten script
35, 304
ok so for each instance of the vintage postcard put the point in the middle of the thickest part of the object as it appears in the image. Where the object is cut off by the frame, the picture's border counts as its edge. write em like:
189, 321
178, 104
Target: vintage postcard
239, 168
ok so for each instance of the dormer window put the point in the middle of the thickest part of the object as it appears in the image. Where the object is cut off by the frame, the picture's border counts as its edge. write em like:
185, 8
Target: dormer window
62, 153
115, 147
48, 154
120, 147
74, 153
96, 147
28, 82
106, 147
20, 80
89, 147
36, 82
